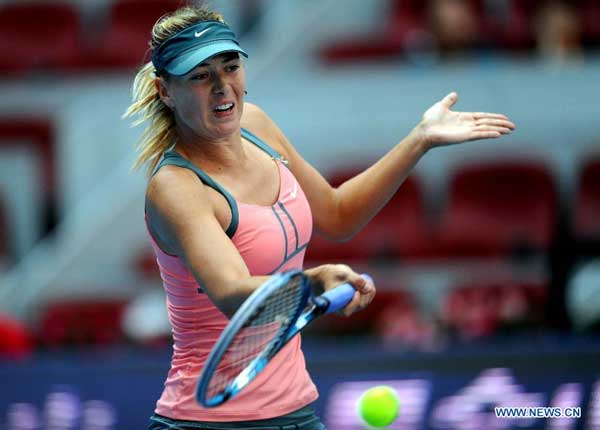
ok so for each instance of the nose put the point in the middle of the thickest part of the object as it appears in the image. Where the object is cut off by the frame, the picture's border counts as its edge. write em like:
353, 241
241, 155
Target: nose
218, 84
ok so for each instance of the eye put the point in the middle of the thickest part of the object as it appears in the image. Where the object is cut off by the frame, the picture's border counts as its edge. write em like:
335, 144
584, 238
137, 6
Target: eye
232, 67
199, 76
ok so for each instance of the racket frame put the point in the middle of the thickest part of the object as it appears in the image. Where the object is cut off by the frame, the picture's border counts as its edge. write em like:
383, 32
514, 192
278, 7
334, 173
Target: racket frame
328, 302
237, 322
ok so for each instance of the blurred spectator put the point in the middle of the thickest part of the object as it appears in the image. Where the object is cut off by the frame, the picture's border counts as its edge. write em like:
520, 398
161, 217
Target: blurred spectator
558, 32
454, 24
583, 296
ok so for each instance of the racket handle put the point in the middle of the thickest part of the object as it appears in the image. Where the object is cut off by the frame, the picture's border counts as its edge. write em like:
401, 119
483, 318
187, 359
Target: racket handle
339, 297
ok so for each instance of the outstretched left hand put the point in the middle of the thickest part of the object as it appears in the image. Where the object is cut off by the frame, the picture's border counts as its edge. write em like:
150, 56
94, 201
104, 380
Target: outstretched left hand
441, 126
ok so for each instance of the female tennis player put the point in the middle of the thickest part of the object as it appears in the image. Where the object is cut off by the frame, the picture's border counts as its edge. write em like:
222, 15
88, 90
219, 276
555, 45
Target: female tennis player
230, 202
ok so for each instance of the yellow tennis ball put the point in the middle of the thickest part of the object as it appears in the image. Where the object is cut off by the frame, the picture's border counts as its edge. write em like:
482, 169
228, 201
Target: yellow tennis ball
378, 406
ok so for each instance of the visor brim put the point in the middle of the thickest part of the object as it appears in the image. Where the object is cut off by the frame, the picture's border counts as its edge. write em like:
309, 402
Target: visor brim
186, 62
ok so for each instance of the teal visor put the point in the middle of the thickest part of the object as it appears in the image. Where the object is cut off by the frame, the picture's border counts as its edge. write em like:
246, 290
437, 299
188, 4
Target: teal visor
183, 51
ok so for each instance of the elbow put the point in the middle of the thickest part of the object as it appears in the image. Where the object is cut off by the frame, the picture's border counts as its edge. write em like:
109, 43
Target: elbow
346, 236
227, 300
228, 305
338, 229
341, 223
231, 295
338, 233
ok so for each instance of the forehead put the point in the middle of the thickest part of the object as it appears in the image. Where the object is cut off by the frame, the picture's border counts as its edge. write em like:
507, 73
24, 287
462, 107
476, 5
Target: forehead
220, 58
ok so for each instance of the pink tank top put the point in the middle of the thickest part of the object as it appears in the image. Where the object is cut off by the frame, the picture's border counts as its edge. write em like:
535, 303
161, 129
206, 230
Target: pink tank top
270, 239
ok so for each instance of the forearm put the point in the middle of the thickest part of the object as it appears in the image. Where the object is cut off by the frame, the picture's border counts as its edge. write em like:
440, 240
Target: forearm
362, 197
231, 297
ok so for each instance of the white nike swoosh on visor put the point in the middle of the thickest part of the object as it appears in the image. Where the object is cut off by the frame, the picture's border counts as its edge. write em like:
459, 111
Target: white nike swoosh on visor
200, 33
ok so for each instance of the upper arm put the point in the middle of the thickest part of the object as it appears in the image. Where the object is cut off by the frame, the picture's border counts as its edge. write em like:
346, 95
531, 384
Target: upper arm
181, 214
322, 197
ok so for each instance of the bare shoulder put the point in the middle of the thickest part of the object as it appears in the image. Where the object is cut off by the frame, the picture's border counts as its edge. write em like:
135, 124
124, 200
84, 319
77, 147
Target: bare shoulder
174, 191
255, 117
258, 122
175, 202
170, 182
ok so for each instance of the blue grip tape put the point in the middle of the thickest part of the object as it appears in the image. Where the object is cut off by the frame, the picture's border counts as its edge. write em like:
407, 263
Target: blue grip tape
339, 297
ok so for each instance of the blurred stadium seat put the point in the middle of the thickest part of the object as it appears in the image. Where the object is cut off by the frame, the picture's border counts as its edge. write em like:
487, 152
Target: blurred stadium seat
81, 322
394, 317
398, 230
516, 32
408, 28
590, 15
391, 298
17, 342
587, 201
416, 25
498, 209
368, 47
476, 310
125, 40
145, 263
397, 320
388, 41
38, 35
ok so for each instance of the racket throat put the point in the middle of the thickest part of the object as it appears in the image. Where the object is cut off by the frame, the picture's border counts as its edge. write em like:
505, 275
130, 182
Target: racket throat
247, 375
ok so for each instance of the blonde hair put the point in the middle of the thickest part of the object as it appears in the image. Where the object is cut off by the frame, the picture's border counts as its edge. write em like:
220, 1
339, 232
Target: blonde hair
147, 106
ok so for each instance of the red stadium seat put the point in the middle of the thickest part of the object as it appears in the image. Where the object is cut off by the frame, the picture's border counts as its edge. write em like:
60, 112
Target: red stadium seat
590, 15
125, 42
408, 23
386, 43
393, 317
145, 263
17, 342
498, 208
516, 31
398, 230
587, 202
37, 35
391, 297
476, 310
397, 320
82, 322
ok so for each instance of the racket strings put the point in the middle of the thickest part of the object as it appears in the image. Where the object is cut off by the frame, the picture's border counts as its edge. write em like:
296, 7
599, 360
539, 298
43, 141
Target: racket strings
260, 335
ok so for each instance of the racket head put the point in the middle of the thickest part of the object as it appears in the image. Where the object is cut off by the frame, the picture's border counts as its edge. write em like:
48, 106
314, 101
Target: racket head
256, 332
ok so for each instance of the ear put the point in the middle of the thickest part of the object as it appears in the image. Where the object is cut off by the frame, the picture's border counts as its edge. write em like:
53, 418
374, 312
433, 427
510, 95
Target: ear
163, 92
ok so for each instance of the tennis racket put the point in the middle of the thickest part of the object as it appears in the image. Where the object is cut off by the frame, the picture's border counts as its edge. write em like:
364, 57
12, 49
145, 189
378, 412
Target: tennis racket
267, 320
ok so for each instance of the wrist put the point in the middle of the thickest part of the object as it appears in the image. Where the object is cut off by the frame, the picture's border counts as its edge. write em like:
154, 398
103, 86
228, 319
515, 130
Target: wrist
316, 282
317, 278
420, 138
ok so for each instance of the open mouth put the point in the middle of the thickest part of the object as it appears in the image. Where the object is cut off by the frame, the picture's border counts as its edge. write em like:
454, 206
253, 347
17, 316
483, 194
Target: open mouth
224, 108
